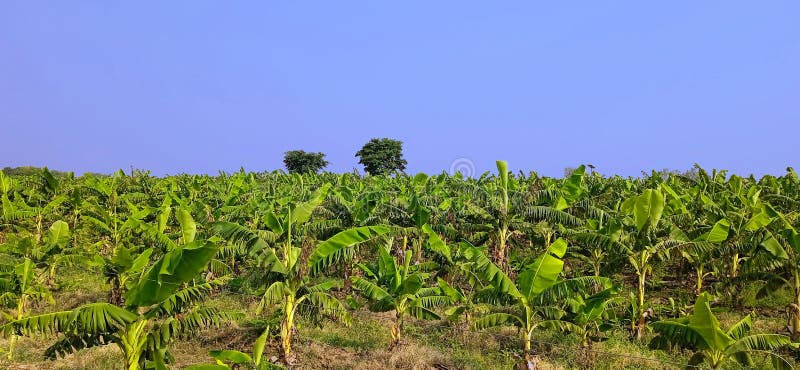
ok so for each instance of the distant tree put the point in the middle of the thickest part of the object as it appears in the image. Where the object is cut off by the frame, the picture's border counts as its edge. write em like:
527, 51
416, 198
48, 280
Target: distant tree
382, 156
691, 173
31, 171
299, 161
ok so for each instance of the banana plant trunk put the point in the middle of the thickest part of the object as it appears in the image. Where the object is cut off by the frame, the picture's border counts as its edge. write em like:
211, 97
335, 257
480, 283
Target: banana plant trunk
698, 287
287, 328
640, 324
115, 296
348, 284
500, 252
527, 338
397, 330
735, 265
51, 275
418, 250
596, 261
794, 309
38, 229
405, 246
132, 344
13, 341
716, 359
531, 360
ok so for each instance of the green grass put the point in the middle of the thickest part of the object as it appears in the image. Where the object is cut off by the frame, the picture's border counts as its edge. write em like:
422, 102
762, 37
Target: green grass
364, 345
363, 335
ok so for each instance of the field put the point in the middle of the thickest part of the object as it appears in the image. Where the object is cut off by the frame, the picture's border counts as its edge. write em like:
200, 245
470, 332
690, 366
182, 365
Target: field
343, 271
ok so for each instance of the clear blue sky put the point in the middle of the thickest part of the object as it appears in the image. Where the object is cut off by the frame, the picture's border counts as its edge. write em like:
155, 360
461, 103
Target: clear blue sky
201, 86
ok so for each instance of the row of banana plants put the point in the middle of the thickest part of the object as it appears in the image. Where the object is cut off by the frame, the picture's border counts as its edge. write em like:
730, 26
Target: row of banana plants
487, 251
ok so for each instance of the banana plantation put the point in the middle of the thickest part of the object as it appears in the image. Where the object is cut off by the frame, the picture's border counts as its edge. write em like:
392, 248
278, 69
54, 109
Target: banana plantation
339, 271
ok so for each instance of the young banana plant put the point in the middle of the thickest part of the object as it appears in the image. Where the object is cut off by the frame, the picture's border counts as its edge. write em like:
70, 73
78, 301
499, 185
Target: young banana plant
644, 241
466, 303
590, 316
702, 333
160, 307
534, 295
782, 269
288, 282
503, 209
232, 359
121, 270
398, 287
48, 253
20, 285
699, 251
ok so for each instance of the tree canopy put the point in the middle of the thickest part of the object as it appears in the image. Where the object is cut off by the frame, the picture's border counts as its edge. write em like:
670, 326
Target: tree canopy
382, 156
300, 161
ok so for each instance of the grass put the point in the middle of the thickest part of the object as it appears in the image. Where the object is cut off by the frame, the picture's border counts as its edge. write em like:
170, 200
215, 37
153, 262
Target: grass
362, 336
364, 345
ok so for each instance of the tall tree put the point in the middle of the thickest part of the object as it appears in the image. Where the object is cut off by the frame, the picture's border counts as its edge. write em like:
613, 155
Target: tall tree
300, 161
381, 156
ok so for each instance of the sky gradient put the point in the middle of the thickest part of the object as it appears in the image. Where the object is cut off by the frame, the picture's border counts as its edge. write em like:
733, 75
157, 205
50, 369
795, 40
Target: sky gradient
202, 86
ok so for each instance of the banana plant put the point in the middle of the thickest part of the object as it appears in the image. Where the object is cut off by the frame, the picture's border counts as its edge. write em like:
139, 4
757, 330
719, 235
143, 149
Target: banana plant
411, 212
503, 210
699, 250
493, 207
158, 303
48, 253
20, 285
599, 242
9, 209
232, 359
466, 303
353, 205
163, 305
117, 255
782, 269
39, 213
121, 270
643, 240
393, 286
702, 333
590, 316
287, 267
749, 216
534, 295
116, 232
